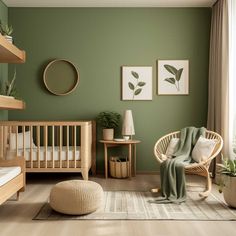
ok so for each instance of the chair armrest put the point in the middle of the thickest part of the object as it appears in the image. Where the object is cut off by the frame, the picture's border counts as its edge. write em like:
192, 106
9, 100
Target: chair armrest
17, 161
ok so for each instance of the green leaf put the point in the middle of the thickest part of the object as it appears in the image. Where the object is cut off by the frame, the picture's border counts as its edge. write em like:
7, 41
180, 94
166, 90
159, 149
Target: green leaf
170, 80
135, 74
141, 84
137, 91
131, 86
171, 69
178, 74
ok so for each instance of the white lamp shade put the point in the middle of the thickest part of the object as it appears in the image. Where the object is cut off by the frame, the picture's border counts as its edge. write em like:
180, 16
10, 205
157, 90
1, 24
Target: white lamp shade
128, 123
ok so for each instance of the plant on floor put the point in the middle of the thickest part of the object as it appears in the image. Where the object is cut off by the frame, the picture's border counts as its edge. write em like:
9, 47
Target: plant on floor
177, 75
228, 180
108, 120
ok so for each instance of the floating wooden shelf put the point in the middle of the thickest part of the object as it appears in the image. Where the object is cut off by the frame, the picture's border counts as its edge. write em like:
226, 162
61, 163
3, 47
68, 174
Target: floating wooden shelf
9, 53
11, 103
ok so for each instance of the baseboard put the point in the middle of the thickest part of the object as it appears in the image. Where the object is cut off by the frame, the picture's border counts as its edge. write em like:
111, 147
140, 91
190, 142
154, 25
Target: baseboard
99, 172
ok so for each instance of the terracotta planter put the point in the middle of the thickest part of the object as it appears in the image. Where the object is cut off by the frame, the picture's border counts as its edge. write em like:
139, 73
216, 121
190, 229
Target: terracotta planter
229, 191
108, 134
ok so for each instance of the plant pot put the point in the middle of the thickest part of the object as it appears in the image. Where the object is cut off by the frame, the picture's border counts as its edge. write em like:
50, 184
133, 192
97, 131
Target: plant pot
8, 38
229, 191
4, 96
108, 134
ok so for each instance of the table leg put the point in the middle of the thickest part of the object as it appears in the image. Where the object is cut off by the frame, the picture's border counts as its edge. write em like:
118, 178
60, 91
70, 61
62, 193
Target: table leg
130, 160
105, 159
134, 173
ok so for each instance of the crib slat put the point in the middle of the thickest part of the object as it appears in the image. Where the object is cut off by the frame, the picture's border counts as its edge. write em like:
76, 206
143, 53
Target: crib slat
23, 127
67, 146
38, 145
46, 145
31, 147
16, 140
4, 142
53, 146
60, 148
74, 146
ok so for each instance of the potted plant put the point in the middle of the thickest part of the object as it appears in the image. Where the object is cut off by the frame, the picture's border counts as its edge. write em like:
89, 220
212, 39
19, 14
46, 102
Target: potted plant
228, 181
9, 88
108, 121
6, 31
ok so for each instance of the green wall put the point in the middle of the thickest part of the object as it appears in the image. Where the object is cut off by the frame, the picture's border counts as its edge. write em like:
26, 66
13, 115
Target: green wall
3, 67
99, 41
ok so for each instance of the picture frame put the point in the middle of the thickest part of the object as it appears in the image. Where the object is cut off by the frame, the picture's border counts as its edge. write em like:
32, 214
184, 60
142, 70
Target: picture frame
137, 83
172, 77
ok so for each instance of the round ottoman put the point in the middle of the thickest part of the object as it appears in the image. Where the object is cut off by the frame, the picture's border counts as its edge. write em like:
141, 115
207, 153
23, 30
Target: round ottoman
76, 197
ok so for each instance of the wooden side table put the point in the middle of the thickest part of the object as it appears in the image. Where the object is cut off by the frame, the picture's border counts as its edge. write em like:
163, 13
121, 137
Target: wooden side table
131, 144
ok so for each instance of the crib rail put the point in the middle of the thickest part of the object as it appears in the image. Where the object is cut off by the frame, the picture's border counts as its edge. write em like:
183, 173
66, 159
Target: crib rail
50, 145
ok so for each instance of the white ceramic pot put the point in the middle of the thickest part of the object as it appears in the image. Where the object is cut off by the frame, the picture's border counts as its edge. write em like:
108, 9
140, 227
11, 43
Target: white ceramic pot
108, 134
229, 191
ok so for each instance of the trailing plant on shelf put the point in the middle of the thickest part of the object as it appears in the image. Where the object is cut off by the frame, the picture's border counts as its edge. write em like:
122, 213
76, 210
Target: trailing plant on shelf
177, 75
228, 180
108, 120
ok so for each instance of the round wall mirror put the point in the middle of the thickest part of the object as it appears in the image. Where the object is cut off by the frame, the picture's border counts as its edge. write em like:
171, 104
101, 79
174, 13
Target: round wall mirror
61, 77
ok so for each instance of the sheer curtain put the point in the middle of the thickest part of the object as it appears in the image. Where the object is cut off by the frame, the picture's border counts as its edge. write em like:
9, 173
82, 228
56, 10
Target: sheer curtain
232, 79
218, 89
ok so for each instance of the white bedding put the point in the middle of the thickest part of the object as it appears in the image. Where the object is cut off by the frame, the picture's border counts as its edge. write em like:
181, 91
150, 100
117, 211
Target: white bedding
49, 153
8, 173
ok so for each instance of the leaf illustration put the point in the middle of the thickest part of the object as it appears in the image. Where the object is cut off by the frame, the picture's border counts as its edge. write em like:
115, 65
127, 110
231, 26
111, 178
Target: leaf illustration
178, 74
171, 69
170, 80
141, 84
135, 74
137, 91
131, 86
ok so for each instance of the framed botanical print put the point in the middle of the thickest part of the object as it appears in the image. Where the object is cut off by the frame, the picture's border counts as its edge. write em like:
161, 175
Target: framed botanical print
173, 77
136, 83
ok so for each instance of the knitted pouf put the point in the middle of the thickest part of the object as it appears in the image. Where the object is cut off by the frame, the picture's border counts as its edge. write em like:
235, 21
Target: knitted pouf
76, 197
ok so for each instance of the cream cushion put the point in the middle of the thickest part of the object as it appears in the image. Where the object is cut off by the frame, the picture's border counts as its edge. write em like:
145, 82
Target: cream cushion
203, 149
172, 147
76, 197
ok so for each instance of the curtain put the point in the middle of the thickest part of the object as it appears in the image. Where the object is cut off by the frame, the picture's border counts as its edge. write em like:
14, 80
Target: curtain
232, 79
218, 88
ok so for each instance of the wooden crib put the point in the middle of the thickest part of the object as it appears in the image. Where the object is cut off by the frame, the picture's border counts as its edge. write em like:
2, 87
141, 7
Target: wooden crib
51, 146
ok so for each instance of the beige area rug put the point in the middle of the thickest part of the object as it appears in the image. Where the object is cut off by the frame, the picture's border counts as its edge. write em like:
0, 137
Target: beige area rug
134, 205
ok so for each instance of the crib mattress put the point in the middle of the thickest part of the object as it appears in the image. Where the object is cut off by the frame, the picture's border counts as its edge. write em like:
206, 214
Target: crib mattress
8, 173
42, 153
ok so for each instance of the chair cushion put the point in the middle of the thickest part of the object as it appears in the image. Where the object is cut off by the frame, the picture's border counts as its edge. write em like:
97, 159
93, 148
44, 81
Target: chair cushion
76, 197
203, 149
172, 147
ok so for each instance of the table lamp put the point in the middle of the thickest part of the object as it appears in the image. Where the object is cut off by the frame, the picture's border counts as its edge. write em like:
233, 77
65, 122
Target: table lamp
128, 124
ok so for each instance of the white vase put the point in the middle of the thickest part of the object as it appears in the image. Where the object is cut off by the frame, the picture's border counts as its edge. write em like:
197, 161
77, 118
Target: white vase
108, 134
8, 38
229, 191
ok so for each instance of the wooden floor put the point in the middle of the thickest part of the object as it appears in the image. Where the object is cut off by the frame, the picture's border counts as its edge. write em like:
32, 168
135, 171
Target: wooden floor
16, 217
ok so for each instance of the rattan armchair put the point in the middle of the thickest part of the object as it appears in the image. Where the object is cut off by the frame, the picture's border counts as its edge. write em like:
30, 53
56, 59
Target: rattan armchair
201, 168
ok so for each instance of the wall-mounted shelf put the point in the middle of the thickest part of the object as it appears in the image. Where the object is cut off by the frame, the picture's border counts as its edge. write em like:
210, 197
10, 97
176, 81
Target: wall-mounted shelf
11, 103
9, 53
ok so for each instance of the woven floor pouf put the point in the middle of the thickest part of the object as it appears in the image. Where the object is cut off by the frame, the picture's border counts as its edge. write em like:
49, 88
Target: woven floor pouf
76, 197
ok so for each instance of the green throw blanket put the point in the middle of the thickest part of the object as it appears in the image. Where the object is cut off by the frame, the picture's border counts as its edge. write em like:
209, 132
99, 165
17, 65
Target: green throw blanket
172, 171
